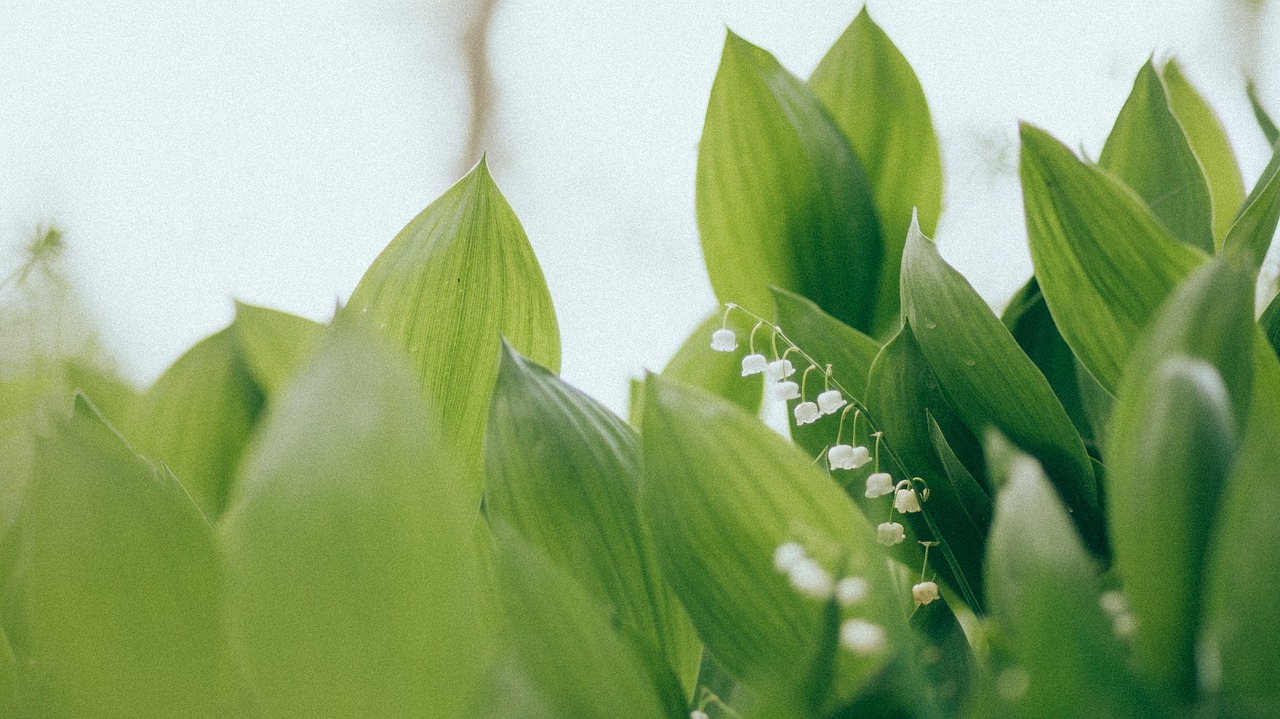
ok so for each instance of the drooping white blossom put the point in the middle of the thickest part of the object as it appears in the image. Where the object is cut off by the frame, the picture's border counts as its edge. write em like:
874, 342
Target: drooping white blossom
905, 501
890, 533
842, 456
807, 413
724, 340
786, 390
830, 401
779, 370
754, 364
924, 592
862, 637
879, 484
698, 714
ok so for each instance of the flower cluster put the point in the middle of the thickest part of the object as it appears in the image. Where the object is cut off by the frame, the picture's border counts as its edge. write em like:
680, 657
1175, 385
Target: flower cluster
811, 579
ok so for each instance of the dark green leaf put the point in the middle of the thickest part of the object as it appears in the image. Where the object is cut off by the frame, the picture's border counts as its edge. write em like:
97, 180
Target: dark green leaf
1255, 226
946, 657
782, 200
1268, 127
875, 98
1270, 322
970, 495
274, 344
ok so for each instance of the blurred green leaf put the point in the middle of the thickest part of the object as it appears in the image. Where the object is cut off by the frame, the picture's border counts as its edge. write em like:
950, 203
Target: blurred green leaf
458, 277
352, 583
720, 373
123, 585
722, 492
1149, 151
782, 199
8, 678
1270, 323
273, 344
990, 382
873, 95
1255, 227
1268, 127
1044, 596
945, 655
1103, 261
1211, 146
198, 416
563, 472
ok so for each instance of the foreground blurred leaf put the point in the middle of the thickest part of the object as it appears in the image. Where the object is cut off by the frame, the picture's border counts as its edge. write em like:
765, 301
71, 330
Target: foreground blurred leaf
1211, 146
782, 200
274, 344
1268, 127
1149, 151
459, 276
1255, 227
875, 98
123, 585
197, 417
564, 472
351, 579
1103, 261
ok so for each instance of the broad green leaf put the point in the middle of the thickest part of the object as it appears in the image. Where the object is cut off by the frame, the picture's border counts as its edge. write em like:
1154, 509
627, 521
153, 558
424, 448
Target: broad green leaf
873, 95
827, 339
197, 417
563, 471
457, 278
721, 492
1149, 151
352, 585
1211, 146
720, 373
274, 344
970, 495
565, 644
990, 381
1255, 226
782, 200
1270, 322
1268, 127
123, 586
1103, 261
8, 678
1045, 598
112, 396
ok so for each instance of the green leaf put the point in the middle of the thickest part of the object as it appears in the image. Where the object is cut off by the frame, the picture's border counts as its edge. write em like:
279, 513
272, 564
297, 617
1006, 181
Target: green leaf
8, 678
1103, 261
989, 380
721, 492
827, 339
458, 277
720, 373
197, 417
1270, 322
564, 642
782, 200
1260, 114
274, 344
1255, 226
123, 586
564, 472
947, 657
1211, 146
875, 98
1149, 151
352, 582
1045, 598
970, 495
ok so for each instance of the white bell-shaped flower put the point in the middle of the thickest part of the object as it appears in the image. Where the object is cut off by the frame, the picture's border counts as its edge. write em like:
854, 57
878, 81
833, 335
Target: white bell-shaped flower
843, 456
851, 590
810, 579
779, 370
807, 413
879, 484
786, 390
890, 533
698, 714
724, 340
862, 637
754, 364
924, 592
831, 401
905, 501
787, 555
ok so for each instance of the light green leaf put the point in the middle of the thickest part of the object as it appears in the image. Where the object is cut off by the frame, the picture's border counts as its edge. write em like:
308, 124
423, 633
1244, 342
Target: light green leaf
1255, 226
123, 588
722, 492
827, 339
197, 417
352, 583
458, 277
8, 678
873, 95
1149, 151
563, 472
1211, 146
1103, 261
720, 373
782, 200
1268, 127
989, 380
1045, 598
274, 344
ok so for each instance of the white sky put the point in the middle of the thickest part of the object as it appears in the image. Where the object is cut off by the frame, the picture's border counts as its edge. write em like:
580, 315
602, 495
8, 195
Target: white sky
199, 152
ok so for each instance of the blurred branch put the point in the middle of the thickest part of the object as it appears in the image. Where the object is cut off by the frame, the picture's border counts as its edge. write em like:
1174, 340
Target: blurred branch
480, 85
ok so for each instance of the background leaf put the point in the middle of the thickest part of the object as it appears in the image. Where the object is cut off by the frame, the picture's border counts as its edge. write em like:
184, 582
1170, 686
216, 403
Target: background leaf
273, 344
1255, 227
1268, 127
720, 373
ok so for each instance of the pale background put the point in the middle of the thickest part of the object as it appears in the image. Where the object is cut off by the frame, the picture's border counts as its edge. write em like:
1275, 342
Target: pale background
199, 152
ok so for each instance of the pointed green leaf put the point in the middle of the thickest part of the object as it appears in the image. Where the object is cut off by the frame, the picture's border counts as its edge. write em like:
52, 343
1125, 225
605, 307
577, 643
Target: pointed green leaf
1270, 322
1211, 146
782, 200
720, 373
1255, 227
990, 381
274, 344
459, 276
970, 495
1268, 127
873, 95
722, 492
351, 580
563, 471
197, 417
1103, 261
1149, 151
123, 586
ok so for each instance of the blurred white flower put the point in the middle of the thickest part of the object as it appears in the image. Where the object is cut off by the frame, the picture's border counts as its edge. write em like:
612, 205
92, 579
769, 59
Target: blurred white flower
862, 637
